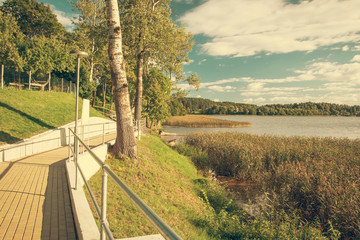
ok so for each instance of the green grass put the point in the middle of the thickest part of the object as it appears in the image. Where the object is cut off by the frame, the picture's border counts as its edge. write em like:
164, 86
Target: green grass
164, 180
195, 207
26, 113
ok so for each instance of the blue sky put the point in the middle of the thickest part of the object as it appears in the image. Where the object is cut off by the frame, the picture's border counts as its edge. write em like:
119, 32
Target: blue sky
268, 51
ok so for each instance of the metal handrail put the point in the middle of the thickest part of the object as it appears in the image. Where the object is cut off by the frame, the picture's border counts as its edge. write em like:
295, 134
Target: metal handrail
25, 144
165, 230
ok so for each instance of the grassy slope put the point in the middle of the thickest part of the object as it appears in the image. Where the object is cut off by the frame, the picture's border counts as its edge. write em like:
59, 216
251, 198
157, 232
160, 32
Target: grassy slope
164, 180
26, 113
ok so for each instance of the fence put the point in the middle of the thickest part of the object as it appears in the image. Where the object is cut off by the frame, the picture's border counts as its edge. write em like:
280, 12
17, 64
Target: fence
159, 224
21, 80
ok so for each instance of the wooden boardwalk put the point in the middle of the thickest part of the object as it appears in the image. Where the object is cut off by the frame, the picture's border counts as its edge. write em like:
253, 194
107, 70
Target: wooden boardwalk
34, 197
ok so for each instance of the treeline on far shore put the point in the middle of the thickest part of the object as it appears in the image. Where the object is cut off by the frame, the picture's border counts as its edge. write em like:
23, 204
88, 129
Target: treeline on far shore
184, 106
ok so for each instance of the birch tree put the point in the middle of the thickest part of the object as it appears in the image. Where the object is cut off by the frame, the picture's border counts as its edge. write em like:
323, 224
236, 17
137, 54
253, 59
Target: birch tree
152, 36
91, 34
125, 140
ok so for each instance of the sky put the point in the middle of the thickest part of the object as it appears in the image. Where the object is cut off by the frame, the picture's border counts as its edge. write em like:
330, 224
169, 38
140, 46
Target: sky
267, 51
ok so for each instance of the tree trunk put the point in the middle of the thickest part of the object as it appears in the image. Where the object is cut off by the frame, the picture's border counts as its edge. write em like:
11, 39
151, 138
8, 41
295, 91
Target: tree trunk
112, 97
139, 91
19, 78
30, 80
2, 76
125, 140
104, 94
94, 99
49, 81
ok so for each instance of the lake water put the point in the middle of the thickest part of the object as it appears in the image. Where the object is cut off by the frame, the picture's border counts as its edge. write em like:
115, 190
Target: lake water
318, 126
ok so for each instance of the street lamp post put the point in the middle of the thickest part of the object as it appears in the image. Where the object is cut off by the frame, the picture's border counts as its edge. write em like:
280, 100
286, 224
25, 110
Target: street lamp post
79, 54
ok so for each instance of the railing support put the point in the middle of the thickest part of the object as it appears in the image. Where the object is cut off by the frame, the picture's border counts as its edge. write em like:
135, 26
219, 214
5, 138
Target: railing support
69, 146
3, 155
76, 161
103, 137
103, 204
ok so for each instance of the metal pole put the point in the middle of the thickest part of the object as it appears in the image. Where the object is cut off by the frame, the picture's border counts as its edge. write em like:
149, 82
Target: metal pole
103, 204
83, 138
76, 120
69, 145
103, 138
3, 155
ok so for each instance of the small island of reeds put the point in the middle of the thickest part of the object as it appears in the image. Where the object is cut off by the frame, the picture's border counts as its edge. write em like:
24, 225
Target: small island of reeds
203, 121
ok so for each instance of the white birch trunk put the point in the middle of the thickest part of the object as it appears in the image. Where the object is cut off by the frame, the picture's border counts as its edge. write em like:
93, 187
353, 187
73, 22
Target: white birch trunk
125, 139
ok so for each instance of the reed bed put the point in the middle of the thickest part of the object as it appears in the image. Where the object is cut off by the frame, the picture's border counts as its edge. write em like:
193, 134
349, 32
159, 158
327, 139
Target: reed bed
316, 177
203, 121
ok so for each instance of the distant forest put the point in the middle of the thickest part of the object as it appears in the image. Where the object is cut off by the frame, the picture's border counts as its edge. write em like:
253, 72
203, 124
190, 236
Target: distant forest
184, 106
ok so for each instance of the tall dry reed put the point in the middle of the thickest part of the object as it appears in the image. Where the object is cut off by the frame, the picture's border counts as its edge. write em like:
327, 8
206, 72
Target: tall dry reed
318, 177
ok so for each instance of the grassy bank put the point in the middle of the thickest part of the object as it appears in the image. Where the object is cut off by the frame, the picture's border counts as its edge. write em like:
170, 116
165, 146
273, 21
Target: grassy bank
316, 177
26, 113
203, 121
195, 207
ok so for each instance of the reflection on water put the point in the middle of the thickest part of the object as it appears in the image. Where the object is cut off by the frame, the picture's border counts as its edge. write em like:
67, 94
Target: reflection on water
249, 197
286, 126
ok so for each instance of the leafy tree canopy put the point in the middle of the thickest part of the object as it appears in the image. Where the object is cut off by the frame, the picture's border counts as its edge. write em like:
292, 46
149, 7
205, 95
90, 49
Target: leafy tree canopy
33, 18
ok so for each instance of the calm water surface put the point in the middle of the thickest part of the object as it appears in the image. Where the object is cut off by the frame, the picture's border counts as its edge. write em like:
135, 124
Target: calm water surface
286, 126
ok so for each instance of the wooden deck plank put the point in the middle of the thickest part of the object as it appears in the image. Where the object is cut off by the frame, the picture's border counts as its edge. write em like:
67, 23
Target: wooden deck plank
12, 201
21, 215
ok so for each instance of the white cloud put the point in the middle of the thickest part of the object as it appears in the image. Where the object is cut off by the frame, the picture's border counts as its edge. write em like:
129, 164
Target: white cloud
198, 96
255, 100
202, 61
345, 48
247, 27
184, 86
216, 100
65, 19
337, 83
217, 88
318, 82
356, 58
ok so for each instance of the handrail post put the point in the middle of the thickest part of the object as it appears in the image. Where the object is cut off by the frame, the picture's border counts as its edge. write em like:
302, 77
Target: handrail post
103, 204
69, 146
83, 138
3, 156
103, 137
76, 161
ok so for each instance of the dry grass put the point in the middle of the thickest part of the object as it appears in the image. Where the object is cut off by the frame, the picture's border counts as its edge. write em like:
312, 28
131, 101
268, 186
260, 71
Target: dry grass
316, 177
203, 121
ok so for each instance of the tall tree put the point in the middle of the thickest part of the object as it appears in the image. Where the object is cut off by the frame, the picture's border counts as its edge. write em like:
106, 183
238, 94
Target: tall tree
11, 39
91, 31
34, 18
157, 91
48, 54
125, 140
